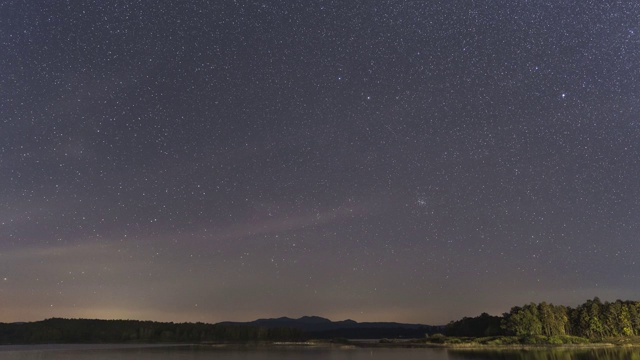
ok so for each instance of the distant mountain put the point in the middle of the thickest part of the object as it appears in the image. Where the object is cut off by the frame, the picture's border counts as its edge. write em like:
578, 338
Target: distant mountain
319, 327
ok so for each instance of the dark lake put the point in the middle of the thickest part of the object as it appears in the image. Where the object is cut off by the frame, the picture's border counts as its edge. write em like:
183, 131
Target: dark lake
125, 352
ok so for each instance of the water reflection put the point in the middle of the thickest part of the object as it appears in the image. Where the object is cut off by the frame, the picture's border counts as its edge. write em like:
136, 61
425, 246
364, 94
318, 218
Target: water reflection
239, 353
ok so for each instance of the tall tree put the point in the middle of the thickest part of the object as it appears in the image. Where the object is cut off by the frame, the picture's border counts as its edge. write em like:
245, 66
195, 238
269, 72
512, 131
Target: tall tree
553, 319
524, 321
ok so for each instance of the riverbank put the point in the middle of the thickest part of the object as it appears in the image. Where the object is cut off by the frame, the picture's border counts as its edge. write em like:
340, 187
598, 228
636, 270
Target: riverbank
460, 344
502, 342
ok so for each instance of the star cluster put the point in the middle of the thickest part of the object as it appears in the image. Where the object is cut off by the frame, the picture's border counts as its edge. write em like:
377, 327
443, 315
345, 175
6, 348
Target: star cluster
411, 161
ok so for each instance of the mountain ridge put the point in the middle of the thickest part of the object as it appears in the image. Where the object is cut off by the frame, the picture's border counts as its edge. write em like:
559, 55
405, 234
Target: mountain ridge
321, 327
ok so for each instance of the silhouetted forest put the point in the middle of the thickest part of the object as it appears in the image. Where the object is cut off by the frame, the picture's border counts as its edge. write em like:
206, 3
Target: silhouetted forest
593, 320
130, 331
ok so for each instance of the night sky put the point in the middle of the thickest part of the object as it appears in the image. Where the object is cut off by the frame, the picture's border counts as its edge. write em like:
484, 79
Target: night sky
413, 161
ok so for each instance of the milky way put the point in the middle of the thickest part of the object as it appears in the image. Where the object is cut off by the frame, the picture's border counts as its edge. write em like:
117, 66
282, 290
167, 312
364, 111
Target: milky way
381, 161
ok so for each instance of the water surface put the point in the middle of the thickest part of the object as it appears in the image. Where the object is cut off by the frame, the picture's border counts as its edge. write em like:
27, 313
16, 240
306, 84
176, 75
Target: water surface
181, 352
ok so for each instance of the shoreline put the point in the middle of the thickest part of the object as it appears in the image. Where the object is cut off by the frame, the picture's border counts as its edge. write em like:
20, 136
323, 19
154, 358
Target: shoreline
463, 346
419, 345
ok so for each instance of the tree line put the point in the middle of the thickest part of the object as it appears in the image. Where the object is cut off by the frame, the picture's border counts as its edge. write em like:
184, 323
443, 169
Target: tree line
58, 330
593, 319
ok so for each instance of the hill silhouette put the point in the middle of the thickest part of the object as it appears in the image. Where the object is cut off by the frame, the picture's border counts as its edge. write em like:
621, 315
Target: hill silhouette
322, 328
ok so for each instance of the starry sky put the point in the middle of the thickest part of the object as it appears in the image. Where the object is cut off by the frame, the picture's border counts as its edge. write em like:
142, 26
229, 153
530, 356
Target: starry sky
413, 161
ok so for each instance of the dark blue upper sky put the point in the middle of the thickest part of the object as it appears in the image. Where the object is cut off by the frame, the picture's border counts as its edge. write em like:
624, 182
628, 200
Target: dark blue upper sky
388, 160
